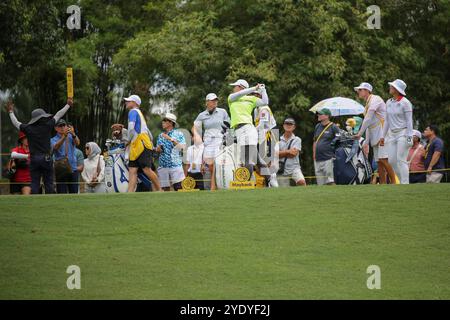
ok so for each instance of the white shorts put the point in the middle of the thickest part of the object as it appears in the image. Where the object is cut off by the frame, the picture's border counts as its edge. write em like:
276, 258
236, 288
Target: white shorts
434, 177
379, 152
324, 171
169, 176
247, 135
296, 176
212, 148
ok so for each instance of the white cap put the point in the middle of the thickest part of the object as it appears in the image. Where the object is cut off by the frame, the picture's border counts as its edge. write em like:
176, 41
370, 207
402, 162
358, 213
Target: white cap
399, 85
211, 96
364, 85
134, 98
241, 83
417, 133
171, 117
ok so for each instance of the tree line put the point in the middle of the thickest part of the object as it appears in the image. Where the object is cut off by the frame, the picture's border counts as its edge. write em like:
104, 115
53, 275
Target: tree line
174, 52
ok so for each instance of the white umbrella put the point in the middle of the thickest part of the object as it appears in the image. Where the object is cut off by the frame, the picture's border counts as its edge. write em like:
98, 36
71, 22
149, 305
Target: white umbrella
339, 106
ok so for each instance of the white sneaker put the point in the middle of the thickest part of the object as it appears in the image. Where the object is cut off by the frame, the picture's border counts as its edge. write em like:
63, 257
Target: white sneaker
273, 182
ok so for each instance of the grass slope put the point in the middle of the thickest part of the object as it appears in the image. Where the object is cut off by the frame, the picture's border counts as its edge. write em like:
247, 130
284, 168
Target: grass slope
311, 243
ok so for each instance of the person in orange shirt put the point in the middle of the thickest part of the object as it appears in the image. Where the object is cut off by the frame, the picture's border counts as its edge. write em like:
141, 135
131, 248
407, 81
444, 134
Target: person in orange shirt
416, 159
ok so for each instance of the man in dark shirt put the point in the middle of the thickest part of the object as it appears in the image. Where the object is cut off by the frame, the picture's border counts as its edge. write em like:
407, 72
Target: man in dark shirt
434, 155
39, 132
323, 152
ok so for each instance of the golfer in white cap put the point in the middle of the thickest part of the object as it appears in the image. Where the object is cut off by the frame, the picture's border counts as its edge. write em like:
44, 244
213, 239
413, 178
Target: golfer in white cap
208, 127
241, 105
398, 129
372, 126
140, 145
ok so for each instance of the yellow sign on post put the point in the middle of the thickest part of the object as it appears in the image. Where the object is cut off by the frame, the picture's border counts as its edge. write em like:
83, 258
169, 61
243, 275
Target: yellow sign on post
69, 82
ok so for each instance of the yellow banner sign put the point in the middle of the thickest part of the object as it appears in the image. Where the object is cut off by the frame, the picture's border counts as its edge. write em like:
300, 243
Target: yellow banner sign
69, 82
237, 185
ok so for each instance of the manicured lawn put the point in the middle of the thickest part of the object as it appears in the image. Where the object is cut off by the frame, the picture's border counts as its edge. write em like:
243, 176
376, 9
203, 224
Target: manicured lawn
311, 243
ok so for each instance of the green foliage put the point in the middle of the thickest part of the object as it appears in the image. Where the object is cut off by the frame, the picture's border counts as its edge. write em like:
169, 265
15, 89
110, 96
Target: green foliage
304, 51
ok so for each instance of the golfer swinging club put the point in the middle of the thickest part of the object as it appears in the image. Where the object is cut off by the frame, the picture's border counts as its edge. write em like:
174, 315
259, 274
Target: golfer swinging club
241, 105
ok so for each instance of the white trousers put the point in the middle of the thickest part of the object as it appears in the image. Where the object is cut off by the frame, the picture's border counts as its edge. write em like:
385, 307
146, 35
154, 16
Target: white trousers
397, 149
247, 135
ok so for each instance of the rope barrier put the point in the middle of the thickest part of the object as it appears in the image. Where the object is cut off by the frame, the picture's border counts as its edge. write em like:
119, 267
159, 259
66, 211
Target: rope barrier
203, 180
208, 180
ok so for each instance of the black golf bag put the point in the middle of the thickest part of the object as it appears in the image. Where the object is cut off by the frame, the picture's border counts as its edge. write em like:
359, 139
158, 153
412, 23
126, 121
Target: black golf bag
351, 166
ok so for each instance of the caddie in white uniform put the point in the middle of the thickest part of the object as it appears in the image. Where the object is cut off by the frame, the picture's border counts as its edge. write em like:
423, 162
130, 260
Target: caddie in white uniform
398, 130
267, 143
372, 126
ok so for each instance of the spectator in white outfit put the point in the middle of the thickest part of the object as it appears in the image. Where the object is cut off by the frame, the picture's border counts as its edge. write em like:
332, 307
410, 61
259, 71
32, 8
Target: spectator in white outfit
289, 155
94, 169
372, 126
398, 130
194, 166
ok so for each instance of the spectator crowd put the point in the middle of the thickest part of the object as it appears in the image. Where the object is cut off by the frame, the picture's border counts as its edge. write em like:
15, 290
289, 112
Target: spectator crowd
49, 157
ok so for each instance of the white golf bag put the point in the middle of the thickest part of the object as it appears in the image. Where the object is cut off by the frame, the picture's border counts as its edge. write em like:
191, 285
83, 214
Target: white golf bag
116, 170
226, 163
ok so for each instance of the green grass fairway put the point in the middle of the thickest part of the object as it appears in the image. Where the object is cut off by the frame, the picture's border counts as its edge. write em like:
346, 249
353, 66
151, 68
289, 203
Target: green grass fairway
310, 243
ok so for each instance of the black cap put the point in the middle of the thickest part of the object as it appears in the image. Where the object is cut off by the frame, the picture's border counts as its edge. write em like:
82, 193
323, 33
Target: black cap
289, 121
61, 122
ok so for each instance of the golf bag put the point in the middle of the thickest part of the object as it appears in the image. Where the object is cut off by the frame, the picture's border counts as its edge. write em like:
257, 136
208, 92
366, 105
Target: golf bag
228, 160
351, 165
116, 170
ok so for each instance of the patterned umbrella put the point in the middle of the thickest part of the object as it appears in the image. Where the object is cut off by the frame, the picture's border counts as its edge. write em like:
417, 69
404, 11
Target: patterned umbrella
339, 106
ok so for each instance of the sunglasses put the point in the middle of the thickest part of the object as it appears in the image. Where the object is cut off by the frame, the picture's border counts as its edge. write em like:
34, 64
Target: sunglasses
87, 148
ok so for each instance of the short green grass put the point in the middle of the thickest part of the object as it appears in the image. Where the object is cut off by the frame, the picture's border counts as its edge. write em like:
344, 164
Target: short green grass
295, 243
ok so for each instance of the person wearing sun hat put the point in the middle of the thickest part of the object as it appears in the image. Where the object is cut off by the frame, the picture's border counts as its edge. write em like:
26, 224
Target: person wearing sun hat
416, 159
170, 144
323, 152
372, 127
39, 133
208, 127
140, 145
398, 129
